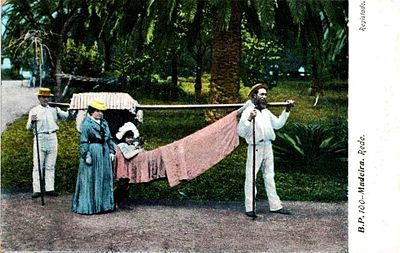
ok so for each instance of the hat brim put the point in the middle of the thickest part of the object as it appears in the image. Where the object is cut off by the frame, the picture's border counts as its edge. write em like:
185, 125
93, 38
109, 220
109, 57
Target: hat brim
256, 88
44, 95
125, 128
100, 107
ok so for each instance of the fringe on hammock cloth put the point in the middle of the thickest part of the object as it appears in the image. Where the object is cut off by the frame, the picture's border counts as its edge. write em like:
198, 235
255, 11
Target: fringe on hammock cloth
184, 159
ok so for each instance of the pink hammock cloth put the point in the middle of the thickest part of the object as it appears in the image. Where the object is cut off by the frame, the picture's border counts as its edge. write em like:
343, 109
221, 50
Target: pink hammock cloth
184, 159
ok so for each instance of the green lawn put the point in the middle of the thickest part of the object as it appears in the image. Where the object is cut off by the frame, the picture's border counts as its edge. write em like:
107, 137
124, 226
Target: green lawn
224, 181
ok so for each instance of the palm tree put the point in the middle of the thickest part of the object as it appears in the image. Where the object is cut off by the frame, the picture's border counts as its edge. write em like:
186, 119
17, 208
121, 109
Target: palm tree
323, 30
228, 19
51, 19
117, 23
198, 39
322, 23
225, 66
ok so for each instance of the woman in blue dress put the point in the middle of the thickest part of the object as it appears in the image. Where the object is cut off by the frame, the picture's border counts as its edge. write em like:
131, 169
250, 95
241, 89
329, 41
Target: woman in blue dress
94, 185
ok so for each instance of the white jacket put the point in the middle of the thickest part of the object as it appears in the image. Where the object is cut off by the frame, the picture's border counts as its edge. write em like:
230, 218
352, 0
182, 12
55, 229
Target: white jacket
265, 123
47, 118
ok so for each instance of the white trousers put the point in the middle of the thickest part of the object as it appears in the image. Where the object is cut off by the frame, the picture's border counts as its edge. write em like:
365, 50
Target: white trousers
48, 156
265, 161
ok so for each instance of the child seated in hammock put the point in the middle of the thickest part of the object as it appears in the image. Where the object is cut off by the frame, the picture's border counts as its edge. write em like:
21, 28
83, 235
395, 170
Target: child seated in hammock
130, 145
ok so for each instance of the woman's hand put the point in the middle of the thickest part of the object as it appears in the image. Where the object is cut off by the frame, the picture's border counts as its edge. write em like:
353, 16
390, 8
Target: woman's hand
112, 157
88, 158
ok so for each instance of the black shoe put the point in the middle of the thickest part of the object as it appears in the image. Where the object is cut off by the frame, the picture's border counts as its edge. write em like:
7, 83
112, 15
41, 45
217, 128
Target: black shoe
52, 193
251, 214
35, 195
282, 211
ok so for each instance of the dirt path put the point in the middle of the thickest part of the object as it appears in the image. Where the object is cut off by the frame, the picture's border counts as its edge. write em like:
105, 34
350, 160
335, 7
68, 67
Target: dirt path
16, 100
171, 226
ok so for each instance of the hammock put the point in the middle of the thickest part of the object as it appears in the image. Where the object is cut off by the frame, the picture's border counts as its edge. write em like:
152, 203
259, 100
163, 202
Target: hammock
183, 159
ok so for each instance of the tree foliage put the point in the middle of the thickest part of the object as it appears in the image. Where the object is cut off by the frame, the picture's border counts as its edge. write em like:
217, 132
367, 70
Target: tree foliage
322, 29
234, 40
53, 20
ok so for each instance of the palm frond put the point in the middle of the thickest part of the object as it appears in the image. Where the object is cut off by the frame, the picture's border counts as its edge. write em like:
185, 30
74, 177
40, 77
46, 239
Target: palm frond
265, 11
171, 8
189, 10
222, 9
309, 145
298, 10
252, 21
150, 7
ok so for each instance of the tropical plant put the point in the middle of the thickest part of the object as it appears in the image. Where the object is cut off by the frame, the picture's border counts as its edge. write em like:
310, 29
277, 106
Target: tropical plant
158, 29
53, 20
258, 55
310, 147
317, 21
322, 27
81, 59
198, 38
225, 66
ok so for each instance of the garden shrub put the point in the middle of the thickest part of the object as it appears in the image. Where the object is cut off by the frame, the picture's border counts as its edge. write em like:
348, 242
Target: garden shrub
311, 147
17, 156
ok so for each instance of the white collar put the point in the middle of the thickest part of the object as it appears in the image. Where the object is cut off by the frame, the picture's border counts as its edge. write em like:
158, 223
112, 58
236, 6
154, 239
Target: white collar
95, 120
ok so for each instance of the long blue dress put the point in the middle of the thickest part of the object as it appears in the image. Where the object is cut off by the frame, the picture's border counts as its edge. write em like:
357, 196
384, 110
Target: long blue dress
94, 185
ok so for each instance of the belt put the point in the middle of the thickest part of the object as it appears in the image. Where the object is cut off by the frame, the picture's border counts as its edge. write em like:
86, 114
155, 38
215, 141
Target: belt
94, 141
48, 132
261, 142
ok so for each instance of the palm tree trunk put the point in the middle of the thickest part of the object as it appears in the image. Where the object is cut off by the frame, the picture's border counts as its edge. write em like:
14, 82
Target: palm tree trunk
107, 52
60, 48
174, 75
317, 89
315, 37
199, 71
58, 90
225, 69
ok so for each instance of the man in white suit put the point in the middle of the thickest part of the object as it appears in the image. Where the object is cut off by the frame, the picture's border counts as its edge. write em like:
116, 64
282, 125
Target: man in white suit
265, 123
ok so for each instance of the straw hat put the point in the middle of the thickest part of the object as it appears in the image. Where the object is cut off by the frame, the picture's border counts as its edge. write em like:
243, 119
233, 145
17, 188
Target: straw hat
99, 105
128, 126
256, 87
44, 92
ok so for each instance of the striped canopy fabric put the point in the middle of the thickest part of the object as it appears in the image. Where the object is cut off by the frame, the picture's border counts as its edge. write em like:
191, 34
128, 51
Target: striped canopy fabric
113, 100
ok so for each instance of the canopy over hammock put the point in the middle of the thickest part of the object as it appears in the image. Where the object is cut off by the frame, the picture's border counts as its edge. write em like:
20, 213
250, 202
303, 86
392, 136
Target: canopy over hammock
113, 100
121, 108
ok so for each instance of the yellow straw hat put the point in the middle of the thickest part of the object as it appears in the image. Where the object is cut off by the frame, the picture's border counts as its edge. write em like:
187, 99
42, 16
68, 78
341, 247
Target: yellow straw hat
99, 105
256, 87
45, 92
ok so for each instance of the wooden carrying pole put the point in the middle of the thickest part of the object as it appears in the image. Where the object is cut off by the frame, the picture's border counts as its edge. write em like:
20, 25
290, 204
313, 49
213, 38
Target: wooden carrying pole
41, 176
185, 107
203, 106
254, 169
